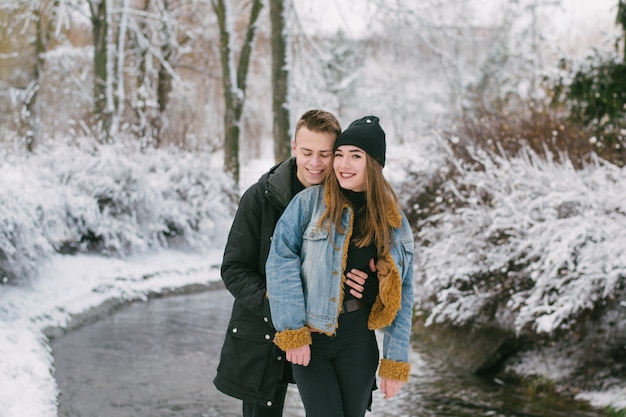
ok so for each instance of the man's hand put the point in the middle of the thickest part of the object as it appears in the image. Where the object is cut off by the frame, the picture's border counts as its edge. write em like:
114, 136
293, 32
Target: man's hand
356, 280
299, 356
390, 387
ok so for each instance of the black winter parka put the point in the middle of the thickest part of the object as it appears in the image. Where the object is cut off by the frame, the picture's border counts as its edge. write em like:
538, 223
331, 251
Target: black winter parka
251, 365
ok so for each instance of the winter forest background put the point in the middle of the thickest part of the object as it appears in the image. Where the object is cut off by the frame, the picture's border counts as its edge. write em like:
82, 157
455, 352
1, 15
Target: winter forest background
125, 124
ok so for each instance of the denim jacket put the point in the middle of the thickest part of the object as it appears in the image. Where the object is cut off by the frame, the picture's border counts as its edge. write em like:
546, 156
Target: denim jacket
305, 280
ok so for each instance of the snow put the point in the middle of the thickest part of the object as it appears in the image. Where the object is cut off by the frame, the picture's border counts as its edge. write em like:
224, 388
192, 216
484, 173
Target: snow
561, 225
74, 286
159, 218
590, 19
135, 200
615, 396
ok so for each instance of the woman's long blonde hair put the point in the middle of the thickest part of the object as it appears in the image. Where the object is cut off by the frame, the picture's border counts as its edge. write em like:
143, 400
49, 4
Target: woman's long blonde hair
380, 201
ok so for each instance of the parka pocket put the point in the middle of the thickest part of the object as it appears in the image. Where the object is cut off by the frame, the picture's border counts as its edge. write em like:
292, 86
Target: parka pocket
246, 358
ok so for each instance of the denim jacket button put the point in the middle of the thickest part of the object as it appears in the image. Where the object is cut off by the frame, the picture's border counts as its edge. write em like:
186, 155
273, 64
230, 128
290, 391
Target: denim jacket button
333, 300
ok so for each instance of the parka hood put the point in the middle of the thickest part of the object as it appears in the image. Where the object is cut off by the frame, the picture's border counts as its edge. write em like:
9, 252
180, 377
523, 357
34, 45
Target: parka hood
277, 183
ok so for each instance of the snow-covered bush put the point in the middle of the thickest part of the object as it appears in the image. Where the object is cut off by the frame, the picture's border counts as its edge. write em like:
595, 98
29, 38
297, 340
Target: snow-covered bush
21, 241
114, 200
525, 244
416, 170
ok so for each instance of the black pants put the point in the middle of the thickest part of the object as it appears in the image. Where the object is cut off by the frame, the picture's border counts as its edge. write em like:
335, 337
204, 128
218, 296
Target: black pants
338, 381
255, 410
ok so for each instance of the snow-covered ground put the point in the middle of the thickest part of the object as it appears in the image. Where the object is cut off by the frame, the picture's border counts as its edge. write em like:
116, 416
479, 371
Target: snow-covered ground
72, 288
75, 286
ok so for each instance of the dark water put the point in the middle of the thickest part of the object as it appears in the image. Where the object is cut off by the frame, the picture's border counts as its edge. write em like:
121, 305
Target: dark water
158, 359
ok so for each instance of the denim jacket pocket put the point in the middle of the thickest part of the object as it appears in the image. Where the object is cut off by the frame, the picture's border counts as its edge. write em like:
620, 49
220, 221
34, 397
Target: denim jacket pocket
314, 241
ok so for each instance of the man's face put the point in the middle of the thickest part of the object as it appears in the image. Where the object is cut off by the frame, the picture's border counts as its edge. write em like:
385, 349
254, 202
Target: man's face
313, 152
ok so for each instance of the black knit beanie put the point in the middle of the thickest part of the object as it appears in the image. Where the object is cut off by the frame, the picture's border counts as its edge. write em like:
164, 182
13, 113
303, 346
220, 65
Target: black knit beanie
367, 134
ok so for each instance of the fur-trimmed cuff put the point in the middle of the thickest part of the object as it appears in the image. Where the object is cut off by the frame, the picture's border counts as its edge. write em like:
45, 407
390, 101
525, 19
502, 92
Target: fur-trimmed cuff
394, 370
291, 339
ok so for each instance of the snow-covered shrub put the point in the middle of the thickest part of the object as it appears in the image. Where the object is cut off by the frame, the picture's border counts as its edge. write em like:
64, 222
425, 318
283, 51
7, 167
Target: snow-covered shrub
22, 244
114, 200
527, 244
416, 170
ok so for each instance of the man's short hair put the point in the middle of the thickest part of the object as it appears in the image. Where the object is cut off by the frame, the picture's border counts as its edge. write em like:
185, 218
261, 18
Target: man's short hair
319, 121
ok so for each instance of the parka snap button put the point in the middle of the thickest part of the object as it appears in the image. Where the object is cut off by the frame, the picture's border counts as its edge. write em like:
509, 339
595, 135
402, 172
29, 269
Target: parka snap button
235, 330
265, 319
267, 337
269, 403
280, 358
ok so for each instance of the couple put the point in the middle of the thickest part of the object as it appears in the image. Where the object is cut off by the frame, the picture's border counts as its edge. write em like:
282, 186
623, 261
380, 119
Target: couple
337, 265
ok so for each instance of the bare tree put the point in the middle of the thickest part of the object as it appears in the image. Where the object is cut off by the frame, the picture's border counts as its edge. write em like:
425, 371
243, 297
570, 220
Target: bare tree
140, 39
154, 37
280, 81
341, 68
103, 97
29, 23
32, 135
621, 21
234, 81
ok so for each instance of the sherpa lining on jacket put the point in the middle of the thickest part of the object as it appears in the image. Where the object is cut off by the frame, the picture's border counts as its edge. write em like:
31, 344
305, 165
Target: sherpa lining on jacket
291, 339
398, 371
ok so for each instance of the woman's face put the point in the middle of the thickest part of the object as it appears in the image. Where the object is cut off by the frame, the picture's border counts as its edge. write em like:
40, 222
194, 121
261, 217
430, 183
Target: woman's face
349, 165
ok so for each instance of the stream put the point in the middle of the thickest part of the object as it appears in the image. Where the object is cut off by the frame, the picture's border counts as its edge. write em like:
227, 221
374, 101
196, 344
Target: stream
158, 359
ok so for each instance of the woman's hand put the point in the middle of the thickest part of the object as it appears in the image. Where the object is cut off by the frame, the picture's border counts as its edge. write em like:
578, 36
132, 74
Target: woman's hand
300, 355
390, 387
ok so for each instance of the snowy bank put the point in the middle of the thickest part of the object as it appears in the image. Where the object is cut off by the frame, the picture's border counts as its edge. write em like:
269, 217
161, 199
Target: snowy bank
84, 229
113, 200
77, 289
534, 248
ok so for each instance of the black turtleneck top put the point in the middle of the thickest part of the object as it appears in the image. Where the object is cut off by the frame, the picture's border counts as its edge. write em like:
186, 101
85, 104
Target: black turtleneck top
359, 258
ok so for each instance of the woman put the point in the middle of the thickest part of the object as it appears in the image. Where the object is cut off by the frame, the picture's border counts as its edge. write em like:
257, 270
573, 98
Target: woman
325, 232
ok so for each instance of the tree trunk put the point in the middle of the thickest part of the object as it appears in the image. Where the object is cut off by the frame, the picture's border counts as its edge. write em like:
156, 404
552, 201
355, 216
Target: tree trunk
621, 20
164, 78
100, 23
280, 81
118, 95
234, 88
31, 122
164, 88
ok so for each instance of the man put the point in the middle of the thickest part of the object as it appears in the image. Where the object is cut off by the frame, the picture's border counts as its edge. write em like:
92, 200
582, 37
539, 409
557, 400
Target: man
252, 368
